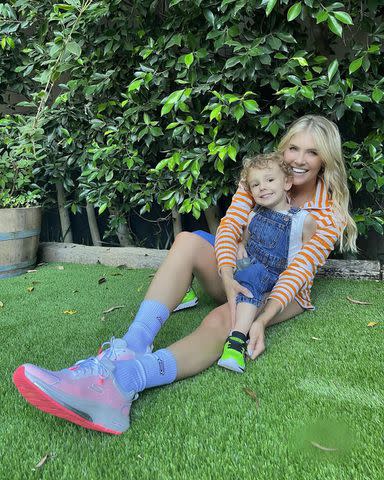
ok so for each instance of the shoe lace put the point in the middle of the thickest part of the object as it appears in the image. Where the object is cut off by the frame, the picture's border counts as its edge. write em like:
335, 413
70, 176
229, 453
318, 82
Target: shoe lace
93, 364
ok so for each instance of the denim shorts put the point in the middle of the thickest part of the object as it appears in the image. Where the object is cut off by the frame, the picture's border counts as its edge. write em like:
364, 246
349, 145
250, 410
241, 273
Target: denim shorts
207, 236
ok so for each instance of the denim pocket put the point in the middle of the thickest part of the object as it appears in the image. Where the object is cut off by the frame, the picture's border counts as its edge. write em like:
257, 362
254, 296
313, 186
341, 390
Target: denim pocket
270, 235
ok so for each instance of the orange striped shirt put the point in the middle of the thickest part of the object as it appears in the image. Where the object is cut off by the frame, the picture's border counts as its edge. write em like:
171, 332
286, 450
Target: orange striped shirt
296, 281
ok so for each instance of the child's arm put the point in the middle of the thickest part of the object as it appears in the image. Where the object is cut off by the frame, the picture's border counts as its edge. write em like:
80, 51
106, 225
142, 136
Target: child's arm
309, 228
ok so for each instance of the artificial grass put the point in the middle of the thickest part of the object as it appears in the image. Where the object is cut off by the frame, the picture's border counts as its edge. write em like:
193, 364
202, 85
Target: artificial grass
311, 393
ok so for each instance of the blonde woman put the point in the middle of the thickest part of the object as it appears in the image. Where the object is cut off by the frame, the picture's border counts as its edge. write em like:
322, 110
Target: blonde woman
97, 393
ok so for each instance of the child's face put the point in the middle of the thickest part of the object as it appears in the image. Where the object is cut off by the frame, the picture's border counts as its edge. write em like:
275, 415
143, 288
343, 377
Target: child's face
269, 186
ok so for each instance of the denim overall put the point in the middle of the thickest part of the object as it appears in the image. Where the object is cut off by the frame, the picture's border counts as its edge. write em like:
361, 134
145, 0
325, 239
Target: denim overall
267, 248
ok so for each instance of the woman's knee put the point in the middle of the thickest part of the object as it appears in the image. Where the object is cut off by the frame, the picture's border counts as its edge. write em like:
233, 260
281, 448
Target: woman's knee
186, 241
218, 322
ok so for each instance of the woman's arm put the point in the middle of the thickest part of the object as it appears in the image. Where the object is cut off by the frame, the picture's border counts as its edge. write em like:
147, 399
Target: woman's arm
303, 267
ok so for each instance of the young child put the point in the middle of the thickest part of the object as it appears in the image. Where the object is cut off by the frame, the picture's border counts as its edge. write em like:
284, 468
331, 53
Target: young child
274, 234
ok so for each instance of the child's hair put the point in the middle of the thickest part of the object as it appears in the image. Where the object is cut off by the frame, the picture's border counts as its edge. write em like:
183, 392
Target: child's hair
263, 160
328, 144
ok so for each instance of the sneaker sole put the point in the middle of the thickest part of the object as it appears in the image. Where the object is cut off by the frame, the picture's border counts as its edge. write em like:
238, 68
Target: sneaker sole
36, 397
230, 365
190, 304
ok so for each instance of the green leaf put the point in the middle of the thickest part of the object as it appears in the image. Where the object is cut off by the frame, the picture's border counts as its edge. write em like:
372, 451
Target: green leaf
232, 152
172, 125
335, 26
103, 207
166, 109
135, 85
251, 106
188, 59
294, 11
332, 69
343, 17
270, 6
377, 95
321, 16
210, 17
355, 65
74, 48
216, 114
238, 112
231, 62
199, 129
307, 92
302, 61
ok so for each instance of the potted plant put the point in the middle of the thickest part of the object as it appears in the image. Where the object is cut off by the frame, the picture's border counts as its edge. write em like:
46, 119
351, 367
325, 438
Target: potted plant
20, 196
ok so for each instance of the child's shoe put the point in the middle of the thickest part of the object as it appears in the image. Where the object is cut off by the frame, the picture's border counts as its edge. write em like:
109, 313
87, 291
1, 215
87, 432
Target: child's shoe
189, 300
233, 357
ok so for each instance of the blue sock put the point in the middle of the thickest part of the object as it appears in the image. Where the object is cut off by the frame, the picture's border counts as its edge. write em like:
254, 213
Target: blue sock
144, 328
146, 371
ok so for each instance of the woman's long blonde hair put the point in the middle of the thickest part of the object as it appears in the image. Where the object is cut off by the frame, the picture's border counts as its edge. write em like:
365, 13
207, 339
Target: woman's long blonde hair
328, 144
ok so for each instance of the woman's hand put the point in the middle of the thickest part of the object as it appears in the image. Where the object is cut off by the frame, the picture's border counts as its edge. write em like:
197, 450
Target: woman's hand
241, 252
232, 289
256, 345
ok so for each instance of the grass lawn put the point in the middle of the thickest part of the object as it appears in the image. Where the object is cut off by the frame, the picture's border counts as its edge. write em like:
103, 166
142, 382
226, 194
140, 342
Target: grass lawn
319, 387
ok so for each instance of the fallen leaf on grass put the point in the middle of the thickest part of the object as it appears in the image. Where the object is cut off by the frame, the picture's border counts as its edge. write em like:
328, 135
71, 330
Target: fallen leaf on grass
113, 308
70, 312
372, 324
316, 338
321, 447
35, 282
42, 264
30, 289
46, 457
358, 302
1, 304
151, 275
251, 394
101, 280
140, 288
31, 271
60, 267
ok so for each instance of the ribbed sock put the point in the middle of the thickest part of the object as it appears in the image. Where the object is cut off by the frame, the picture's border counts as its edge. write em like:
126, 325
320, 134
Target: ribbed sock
144, 328
146, 371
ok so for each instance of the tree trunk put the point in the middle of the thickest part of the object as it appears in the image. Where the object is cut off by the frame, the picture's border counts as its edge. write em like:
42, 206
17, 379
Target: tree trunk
176, 222
65, 222
124, 235
213, 218
93, 227
122, 232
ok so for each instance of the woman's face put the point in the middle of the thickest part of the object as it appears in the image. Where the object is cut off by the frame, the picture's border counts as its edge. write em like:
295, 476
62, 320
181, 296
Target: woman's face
301, 154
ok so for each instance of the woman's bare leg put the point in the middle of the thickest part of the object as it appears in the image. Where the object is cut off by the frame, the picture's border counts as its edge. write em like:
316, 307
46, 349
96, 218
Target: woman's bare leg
199, 350
190, 255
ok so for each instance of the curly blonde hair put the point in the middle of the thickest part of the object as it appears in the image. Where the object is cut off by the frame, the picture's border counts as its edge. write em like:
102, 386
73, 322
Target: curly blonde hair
263, 160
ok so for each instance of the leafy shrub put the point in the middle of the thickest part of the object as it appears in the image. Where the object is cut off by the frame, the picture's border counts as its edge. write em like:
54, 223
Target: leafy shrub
157, 102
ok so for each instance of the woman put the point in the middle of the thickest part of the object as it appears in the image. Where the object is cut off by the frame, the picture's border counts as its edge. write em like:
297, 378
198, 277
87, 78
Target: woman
97, 393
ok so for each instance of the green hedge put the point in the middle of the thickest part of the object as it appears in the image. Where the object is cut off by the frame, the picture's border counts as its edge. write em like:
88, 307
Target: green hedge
155, 101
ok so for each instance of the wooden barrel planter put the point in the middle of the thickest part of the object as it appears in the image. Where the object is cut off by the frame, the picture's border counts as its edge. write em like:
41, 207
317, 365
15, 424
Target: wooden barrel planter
19, 239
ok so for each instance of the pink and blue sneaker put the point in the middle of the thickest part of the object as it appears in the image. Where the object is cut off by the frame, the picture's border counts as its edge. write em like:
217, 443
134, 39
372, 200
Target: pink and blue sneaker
86, 393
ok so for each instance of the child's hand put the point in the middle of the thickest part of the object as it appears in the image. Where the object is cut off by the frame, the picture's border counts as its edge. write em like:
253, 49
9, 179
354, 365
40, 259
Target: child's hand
241, 252
256, 345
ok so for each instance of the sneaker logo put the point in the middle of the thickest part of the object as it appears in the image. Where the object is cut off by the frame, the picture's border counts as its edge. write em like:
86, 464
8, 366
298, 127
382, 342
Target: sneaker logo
96, 388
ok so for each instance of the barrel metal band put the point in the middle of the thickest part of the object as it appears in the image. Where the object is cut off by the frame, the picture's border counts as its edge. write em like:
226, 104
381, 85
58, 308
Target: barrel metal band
20, 234
17, 266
